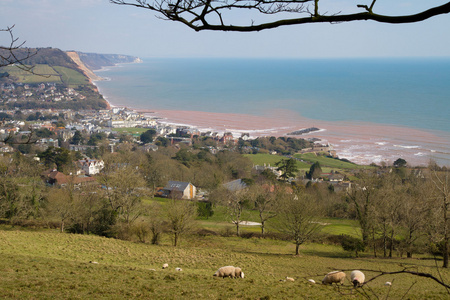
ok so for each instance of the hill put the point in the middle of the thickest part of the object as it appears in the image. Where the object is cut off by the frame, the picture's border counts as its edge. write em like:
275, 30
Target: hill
67, 79
72, 266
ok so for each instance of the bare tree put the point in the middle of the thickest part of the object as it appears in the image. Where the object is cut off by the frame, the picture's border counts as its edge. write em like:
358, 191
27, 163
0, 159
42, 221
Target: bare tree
297, 217
181, 218
441, 199
235, 200
265, 200
220, 14
362, 197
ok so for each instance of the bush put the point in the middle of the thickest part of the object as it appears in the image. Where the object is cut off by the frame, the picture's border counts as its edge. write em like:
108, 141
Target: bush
141, 230
351, 244
204, 210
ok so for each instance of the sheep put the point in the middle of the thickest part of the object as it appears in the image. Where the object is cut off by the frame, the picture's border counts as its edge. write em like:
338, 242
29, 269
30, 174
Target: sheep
312, 281
229, 271
165, 266
388, 283
290, 279
357, 278
334, 277
178, 269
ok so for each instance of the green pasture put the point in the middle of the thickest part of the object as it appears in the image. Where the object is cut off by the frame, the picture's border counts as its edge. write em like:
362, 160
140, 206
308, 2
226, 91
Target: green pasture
131, 130
325, 161
48, 264
71, 77
41, 73
271, 159
46, 73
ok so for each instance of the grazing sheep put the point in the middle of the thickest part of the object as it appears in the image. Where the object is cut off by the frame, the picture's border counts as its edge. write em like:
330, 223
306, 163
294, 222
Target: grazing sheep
312, 281
334, 277
93, 262
357, 278
178, 269
290, 279
229, 271
388, 283
165, 266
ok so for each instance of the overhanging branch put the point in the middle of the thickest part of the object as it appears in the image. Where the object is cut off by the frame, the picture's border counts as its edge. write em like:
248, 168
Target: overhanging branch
211, 14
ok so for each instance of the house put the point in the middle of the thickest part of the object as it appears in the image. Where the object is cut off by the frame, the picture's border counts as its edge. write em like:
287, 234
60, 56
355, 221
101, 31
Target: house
179, 190
54, 177
90, 166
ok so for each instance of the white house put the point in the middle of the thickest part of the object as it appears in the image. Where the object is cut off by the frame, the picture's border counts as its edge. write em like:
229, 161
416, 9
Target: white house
91, 166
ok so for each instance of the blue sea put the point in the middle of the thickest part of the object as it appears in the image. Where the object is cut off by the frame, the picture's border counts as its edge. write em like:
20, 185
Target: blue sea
409, 93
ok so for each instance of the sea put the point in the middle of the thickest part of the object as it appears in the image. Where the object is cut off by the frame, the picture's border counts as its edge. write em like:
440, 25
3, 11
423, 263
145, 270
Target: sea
368, 109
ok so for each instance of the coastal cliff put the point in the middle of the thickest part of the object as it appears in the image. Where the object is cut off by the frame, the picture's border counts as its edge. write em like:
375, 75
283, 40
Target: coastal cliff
95, 61
88, 72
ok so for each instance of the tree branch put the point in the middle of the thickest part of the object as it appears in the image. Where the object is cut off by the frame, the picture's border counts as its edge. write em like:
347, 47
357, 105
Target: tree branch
195, 13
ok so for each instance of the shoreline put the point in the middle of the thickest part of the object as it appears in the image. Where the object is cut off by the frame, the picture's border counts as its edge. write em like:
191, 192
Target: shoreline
362, 143
359, 142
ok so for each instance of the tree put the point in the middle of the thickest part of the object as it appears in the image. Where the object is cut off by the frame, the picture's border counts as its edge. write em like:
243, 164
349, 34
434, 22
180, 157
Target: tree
265, 200
441, 210
77, 138
413, 214
314, 171
181, 218
55, 156
400, 163
297, 217
288, 168
124, 188
362, 198
234, 200
147, 137
218, 15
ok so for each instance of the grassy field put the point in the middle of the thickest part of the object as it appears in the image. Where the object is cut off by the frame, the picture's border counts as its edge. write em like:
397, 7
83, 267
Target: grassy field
131, 130
71, 77
48, 74
270, 159
42, 265
327, 161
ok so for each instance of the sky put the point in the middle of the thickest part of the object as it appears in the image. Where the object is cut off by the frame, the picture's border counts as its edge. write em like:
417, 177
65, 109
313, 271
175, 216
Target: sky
98, 26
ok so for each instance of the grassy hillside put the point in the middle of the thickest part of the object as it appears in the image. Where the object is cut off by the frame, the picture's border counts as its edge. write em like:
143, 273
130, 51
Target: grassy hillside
41, 265
270, 159
328, 161
47, 73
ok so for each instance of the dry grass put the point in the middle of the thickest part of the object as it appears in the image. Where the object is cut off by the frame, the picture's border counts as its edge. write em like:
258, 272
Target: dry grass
40, 265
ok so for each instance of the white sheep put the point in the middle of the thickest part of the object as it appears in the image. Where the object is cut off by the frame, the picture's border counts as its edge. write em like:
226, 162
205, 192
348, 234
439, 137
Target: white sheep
312, 281
165, 266
229, 271
178, 269
290, 279
388, 283
334, 277
357, 278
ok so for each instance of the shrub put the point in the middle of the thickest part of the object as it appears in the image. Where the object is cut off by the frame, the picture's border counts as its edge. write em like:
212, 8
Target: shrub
351, 244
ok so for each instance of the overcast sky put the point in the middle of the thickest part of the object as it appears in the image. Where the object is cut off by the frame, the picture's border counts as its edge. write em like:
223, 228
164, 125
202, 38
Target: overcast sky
100, 27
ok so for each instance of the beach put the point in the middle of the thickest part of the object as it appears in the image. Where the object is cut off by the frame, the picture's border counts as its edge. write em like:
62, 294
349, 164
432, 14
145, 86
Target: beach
362, 143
